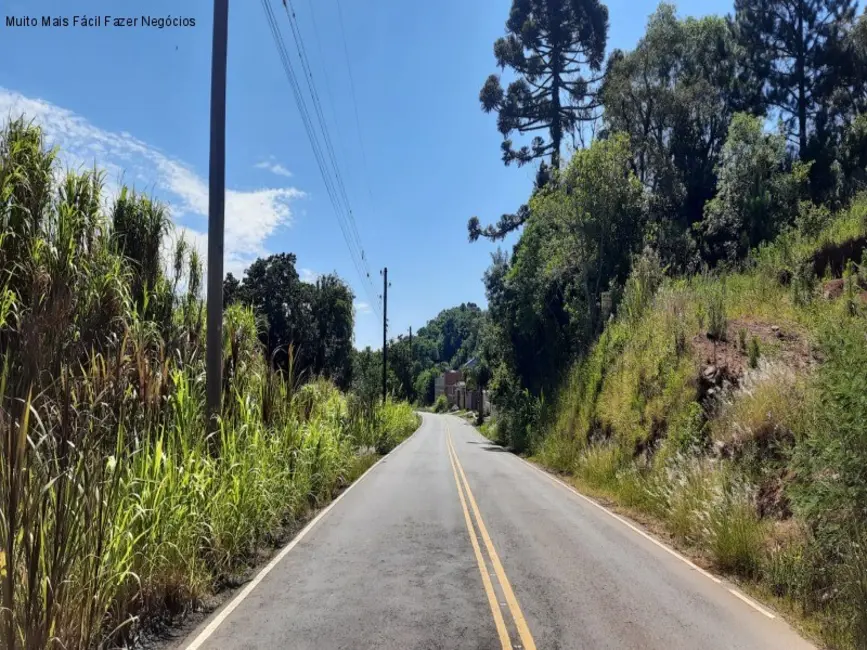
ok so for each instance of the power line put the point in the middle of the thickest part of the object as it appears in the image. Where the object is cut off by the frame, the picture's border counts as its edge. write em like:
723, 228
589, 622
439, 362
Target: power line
311, 134
323, 126
305, 64
328, 91
355, 105
330, 175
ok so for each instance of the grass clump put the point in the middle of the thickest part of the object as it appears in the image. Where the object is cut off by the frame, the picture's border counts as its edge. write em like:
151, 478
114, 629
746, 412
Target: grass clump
754, 353
717, 325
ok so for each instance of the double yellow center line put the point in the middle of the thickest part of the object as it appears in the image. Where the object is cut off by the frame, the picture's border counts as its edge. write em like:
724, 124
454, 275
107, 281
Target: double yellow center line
526, 639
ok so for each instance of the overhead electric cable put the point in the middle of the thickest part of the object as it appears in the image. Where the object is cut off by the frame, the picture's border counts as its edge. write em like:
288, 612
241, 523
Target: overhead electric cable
325, 160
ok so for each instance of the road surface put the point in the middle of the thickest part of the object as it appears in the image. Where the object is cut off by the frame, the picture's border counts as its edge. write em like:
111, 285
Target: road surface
451, 542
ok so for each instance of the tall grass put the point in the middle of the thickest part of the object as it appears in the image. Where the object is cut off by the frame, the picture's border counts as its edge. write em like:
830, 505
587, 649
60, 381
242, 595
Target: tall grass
119, 508
758, 463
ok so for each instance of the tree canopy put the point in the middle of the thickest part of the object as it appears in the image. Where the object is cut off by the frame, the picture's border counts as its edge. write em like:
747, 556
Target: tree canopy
798, 48
307, 326
556, 49
686, 170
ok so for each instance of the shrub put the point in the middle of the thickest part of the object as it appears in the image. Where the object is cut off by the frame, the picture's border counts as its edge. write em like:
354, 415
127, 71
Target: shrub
716, 311
647, 274
441, 404
395, 422
803, 284
831, 454
812, 218
756, 195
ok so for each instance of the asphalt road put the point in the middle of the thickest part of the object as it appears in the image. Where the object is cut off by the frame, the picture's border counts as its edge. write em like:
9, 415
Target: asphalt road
451, 542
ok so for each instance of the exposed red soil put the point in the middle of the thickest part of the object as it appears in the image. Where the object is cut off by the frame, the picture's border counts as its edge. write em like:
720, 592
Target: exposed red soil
729, 359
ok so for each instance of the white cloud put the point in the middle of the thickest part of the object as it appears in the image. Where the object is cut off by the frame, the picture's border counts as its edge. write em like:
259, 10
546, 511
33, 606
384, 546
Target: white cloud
309, 275
362, 307
274, 168
251, 216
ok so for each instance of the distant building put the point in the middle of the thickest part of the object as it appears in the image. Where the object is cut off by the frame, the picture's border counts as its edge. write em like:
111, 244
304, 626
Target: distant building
451, 384
471, 400
446, 384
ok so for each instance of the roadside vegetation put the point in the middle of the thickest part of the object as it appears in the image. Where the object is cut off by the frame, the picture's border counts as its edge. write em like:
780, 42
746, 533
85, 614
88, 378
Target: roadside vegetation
122, 506
680, 325
731, 408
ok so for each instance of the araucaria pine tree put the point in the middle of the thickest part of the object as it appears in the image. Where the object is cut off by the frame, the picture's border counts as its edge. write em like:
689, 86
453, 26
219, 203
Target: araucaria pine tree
556, 49
792, 45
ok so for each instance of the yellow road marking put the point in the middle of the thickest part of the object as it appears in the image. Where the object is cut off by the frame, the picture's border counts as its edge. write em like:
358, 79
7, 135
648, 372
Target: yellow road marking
517, 615
486, 580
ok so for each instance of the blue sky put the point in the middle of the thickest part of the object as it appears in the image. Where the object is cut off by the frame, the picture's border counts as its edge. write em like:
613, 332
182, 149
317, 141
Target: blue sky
136, 100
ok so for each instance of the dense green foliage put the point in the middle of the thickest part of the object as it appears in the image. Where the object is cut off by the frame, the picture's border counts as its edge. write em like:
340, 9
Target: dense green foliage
685, 168
122, 504
713, 439
309, 323
681, 322
757, 196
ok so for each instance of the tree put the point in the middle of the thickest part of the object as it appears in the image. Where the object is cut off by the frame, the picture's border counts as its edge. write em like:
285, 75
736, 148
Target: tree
315, 320
556, 48
758, 193
453, 334
594, 211
272, 287
330, 301
424, 386
544, 302
830, 142
674, 94
367, 376
231, 288
791, 46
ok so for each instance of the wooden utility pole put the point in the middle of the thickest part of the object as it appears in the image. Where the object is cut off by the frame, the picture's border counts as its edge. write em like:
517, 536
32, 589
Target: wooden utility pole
384, 330
216, 209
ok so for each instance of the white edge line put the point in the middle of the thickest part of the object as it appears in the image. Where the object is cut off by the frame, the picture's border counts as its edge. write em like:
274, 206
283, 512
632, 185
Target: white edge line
648, 537
751, 603
241, 595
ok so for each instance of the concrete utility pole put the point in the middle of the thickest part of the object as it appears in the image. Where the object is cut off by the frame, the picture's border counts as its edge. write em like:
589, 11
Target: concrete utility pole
384, 330
411, 388
216, 209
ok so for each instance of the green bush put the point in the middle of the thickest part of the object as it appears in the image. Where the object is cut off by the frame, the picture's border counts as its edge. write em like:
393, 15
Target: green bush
441, 404
395, 422
831, 454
